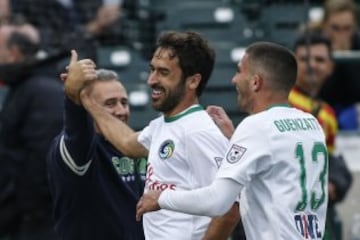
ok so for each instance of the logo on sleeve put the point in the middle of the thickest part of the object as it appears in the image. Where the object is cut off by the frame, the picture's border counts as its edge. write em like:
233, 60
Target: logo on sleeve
235, 153
166, 149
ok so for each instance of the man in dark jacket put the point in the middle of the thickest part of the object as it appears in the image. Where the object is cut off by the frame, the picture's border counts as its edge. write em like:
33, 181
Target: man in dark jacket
31, 117
94, 186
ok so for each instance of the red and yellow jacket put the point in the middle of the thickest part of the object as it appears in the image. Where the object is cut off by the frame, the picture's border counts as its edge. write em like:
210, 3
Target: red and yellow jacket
324, 113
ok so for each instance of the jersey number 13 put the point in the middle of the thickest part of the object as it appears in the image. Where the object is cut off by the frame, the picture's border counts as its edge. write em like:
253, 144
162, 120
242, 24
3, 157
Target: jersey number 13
319, 151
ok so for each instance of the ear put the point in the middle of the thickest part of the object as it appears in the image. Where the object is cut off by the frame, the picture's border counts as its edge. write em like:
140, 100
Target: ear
193, 81
256, 82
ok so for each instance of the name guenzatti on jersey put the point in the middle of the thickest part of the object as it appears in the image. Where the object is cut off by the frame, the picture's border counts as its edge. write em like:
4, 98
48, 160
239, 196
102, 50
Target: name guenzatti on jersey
298, 124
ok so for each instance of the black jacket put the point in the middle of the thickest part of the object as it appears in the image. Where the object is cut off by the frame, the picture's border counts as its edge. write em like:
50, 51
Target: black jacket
31, 117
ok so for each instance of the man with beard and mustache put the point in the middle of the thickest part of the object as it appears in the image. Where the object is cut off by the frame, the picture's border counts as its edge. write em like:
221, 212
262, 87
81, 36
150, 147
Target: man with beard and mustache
276, 160
183, 145
95, 188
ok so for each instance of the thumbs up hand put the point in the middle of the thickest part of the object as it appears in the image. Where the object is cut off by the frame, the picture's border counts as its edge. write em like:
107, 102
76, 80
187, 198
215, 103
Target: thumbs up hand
79, 72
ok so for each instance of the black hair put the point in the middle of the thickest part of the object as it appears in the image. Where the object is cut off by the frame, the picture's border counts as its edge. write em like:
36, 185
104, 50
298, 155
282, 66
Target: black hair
276, 61
194, 54
313, 38
25, 44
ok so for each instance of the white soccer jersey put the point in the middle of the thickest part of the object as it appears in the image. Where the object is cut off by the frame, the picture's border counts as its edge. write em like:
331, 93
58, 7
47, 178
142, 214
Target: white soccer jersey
184, 153
279, 156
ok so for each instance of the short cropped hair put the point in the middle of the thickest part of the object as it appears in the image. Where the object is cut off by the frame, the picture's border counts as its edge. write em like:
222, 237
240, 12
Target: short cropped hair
194, 54
313, 38
276, 62
106, 75
337, 6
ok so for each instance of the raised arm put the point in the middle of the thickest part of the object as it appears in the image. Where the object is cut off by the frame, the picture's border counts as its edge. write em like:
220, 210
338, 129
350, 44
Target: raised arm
115, 131
80, 74
75, 145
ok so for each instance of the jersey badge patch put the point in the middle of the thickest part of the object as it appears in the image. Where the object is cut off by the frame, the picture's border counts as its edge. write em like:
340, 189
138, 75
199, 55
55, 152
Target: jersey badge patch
166, 149
235, 153
218, 161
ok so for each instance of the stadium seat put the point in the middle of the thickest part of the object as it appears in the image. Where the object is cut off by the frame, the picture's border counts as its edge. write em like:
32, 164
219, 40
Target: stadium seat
228, 55
210, 18
128, 63
283, 21
227, 98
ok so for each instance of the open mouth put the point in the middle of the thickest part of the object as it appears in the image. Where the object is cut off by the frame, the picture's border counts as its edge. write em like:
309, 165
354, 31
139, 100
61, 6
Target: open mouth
156, 93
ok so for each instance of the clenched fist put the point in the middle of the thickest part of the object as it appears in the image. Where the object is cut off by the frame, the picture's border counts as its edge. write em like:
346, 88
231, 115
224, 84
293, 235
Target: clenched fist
79, 72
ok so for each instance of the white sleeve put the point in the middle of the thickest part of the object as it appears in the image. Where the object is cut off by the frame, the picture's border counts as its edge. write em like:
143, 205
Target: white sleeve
214, 200
204, 149
145, 136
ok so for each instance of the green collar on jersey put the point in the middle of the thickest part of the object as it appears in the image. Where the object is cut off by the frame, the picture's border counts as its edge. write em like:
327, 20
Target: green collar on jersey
279, 105
186, 112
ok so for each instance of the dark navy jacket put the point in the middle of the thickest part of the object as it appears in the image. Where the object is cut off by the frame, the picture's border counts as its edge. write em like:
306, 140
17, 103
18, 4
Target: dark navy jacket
94, 187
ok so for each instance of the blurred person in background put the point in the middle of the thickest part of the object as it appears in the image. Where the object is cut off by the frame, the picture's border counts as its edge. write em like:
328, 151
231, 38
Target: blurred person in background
315, 64
70, 24
31, 117
4, 11
341, 90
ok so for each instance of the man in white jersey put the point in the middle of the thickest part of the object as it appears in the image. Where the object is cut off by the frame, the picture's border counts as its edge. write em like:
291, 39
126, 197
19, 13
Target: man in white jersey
276, 160
184, 146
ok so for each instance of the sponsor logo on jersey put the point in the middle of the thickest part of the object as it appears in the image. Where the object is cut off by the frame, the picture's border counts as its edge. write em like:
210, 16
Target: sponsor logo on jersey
308, 226
235, 153
166, 149
152, 184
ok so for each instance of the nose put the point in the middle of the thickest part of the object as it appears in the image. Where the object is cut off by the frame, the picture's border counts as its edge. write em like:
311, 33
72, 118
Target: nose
312, 62
233, 79
152, 79
121, 109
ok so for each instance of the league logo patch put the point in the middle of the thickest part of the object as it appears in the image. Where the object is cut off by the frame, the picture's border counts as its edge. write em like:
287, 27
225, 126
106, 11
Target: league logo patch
218, 161
166, 149
235, 153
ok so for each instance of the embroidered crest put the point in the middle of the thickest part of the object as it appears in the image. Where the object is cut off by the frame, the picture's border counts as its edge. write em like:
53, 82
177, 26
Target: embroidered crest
166, 149
235, 153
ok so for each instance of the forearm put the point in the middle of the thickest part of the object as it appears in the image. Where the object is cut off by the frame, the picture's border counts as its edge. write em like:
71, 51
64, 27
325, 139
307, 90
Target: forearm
221, 228
117, 132
215, 199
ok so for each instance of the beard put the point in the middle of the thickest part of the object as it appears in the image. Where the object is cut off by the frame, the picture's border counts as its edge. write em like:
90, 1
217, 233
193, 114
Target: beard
172, 98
